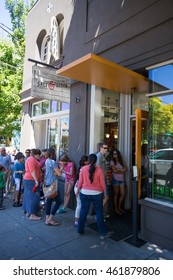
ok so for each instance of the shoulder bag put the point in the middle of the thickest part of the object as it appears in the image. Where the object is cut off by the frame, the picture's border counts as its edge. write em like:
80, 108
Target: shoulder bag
51, 191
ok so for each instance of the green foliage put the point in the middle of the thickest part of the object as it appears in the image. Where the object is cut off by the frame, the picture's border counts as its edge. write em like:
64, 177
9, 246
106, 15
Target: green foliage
10, 87
11, 68
161, 118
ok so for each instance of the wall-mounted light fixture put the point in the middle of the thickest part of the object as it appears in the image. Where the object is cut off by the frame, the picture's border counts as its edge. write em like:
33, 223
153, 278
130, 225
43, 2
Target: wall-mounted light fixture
77, 99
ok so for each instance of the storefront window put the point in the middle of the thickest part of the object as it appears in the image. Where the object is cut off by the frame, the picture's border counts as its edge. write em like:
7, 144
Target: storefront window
53, 134
161, 147
64, 135
161, 132
54, 106
139, 101
110, 117
45, 107
161, 78
65, 106
37, 109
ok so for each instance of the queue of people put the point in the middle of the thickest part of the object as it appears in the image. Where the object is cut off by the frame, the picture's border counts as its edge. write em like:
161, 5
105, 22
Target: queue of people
37, 169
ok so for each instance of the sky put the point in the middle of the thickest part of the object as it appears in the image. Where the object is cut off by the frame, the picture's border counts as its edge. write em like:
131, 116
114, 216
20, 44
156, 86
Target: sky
4, 17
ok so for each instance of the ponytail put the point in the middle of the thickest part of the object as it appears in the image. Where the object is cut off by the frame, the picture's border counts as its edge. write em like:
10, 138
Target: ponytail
92, 160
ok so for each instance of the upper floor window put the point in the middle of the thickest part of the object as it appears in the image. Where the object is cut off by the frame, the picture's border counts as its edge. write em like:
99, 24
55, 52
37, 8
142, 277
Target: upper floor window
50, 42
54, 39
45, 50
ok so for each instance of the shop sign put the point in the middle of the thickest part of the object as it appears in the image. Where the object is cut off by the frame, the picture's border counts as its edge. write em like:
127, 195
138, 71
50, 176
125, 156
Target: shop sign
46, 84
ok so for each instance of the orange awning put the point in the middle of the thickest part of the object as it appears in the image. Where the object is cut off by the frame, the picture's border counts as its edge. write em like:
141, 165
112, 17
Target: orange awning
95, 70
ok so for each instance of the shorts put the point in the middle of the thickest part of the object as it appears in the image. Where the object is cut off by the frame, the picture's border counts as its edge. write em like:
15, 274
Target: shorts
70, 180
17, 183
117, 183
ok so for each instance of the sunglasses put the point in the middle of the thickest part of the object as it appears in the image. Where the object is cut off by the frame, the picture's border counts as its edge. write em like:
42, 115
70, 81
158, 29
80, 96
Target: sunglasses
105, 148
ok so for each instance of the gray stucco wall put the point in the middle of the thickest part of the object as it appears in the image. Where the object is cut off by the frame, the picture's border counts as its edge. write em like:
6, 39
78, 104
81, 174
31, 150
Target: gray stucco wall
79, 122
127, 32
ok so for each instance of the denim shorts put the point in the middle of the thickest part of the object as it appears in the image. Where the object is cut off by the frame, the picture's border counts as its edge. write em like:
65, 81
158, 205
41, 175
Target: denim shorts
117, 183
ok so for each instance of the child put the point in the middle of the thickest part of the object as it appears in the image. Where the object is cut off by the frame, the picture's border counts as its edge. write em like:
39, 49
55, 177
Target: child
2, 186
68, 168
19, 170
83, 161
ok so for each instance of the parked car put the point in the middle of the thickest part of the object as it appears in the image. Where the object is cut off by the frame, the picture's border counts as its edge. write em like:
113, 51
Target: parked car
160, 162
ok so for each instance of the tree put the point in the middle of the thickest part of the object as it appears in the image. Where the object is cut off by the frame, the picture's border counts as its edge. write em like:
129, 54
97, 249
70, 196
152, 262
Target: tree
161, 121
9, 92
11, 72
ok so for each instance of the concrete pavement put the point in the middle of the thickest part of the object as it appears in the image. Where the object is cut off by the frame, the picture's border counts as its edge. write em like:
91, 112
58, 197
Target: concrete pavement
23, 239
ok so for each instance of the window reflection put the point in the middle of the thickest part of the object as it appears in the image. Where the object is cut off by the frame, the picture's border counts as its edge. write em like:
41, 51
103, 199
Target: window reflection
54, 106
53, 134
45, 107
161, 147
161, 78
37, 109
64, 135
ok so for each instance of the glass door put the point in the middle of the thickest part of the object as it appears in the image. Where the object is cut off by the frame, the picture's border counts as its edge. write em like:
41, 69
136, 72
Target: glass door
141, 150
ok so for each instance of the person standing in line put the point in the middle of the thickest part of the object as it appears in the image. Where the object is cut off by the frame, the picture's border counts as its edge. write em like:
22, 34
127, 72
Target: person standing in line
92, 188
27, 154
12, 155
51, 173
32, 179
2, 186
83, 161
42, 167
118, 181
68, 168
105, 166
5, 160
18, 170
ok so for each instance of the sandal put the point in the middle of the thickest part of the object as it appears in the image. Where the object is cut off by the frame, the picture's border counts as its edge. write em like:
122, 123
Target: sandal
122, 211
35, 218
52, 223
118, 213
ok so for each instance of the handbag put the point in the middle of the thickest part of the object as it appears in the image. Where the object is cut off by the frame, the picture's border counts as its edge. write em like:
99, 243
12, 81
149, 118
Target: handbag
51, 191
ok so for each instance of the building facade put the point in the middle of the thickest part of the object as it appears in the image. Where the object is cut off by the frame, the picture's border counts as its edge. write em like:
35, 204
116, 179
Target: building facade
101, 70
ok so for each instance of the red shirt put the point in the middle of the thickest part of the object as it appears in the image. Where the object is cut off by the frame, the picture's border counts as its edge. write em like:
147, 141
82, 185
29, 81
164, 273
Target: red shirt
32, 165
98, 183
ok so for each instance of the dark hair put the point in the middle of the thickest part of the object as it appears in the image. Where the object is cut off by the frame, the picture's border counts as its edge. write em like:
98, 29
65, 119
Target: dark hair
2, 168
101, 144
18, 155
119, 156
35, 152
50, 153
92, 160
65, 158
81, 163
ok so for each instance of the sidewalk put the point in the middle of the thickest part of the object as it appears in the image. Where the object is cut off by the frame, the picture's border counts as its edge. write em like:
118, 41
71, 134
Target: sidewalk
23, 239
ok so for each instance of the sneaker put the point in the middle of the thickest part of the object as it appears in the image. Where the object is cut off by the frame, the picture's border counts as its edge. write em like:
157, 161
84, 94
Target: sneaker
75, 224
16, 204
107, 235
106, 216
61, 211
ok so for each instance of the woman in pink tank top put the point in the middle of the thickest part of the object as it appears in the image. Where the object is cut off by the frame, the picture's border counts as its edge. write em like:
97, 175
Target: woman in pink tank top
68, 168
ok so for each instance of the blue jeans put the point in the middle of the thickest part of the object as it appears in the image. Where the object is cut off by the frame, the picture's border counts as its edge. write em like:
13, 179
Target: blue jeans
97, 201
56, 206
